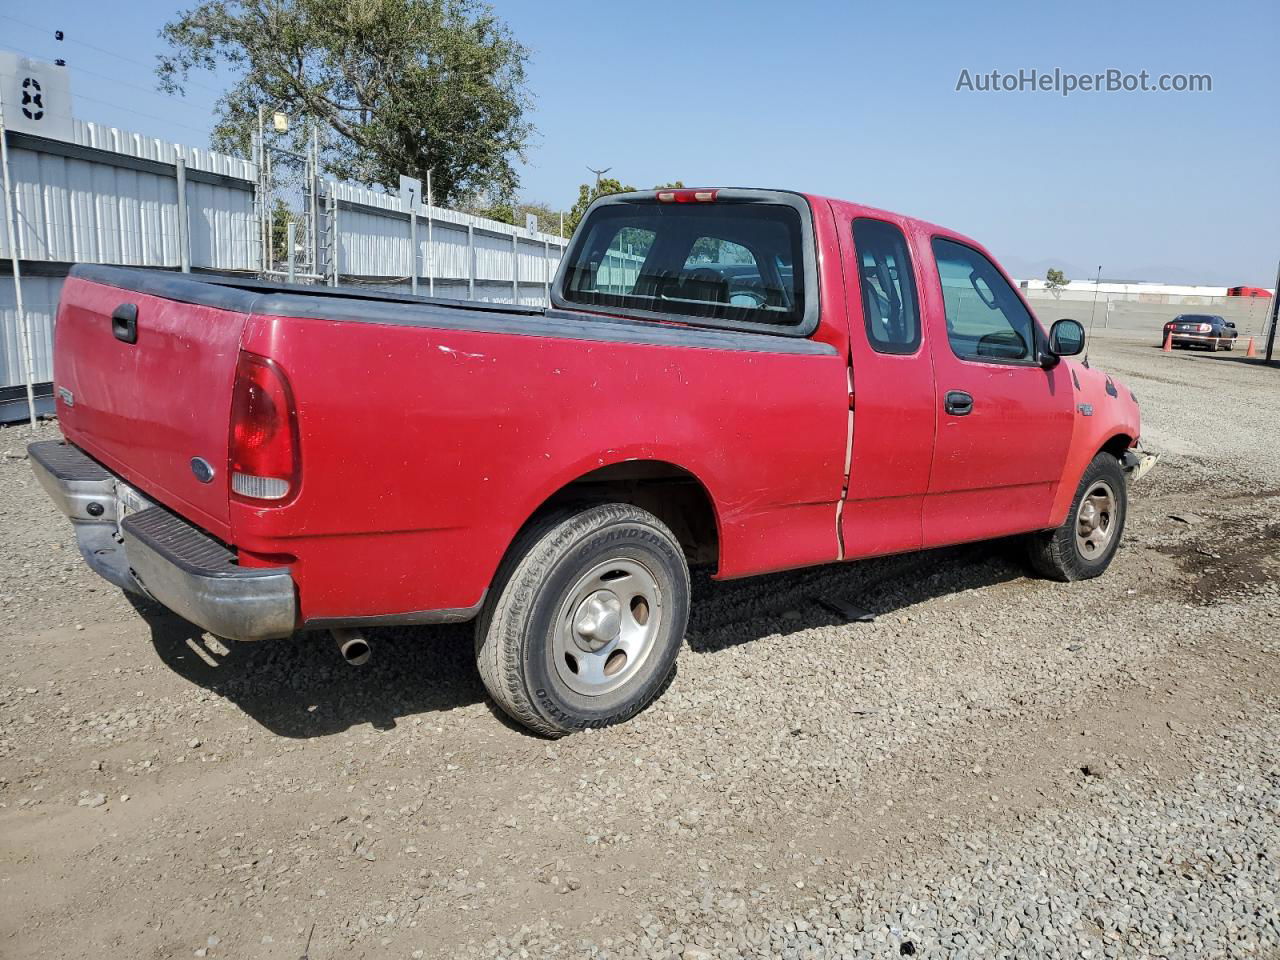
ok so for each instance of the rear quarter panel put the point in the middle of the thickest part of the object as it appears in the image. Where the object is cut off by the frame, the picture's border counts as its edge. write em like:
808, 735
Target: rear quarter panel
424, 451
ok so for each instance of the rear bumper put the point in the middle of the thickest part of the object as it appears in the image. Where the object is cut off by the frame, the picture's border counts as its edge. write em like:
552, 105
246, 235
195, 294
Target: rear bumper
156, 553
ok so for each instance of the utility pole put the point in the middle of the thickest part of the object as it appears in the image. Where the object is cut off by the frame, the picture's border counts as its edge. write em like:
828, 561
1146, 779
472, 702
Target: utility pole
313, 203
24, 325
431, 238
1275, 316
264, 231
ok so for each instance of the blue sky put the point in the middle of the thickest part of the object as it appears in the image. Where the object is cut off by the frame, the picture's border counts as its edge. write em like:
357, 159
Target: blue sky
857, 100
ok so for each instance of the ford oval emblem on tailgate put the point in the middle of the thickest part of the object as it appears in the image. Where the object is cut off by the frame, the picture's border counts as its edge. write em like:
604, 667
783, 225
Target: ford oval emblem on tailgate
200, 467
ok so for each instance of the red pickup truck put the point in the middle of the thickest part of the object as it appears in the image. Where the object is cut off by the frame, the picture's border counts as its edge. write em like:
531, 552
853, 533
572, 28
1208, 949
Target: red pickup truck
754, 380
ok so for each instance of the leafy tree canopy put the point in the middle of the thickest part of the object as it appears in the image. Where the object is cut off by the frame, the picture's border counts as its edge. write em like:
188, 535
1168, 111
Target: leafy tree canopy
1055, 280
398, 86
588, 192
514, 213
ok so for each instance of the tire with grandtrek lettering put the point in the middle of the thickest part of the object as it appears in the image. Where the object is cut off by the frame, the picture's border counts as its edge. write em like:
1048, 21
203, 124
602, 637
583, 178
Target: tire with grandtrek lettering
585, 619
1086, 542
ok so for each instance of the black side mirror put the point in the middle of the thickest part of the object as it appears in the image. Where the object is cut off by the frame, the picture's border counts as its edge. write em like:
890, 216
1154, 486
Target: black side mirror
1066, 339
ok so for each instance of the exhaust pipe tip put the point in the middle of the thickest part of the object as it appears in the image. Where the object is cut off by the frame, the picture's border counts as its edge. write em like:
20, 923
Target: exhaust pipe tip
353, 646
356, 652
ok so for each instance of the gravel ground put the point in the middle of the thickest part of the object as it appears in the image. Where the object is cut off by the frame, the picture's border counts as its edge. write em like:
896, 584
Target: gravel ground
996, 766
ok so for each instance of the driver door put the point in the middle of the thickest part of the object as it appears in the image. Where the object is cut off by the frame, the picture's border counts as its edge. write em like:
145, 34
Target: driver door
1004, 422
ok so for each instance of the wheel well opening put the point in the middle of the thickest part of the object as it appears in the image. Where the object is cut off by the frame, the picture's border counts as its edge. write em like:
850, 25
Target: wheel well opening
1117, 445
671, 494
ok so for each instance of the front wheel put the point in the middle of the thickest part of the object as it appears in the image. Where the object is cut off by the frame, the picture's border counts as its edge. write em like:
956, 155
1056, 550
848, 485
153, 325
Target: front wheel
1083, 546
585, 619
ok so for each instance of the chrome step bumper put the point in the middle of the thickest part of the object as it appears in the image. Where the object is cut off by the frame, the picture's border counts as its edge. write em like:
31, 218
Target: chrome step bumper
1138, 463
145, 549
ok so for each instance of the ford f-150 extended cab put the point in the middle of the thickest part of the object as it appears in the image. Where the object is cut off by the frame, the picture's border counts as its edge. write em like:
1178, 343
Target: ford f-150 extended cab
754, 380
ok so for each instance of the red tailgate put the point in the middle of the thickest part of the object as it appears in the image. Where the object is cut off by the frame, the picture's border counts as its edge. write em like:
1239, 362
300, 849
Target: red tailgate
147, 408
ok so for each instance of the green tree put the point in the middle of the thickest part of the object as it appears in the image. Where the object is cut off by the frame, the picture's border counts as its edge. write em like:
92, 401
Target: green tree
1055, 280
514, 213
399, 86
588, 192
548, 219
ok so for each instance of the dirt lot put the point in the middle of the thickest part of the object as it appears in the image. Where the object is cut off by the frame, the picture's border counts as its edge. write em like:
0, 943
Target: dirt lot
996, 766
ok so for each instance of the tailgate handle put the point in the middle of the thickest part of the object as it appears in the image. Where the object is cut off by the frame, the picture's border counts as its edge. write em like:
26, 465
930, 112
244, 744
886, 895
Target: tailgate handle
124, 322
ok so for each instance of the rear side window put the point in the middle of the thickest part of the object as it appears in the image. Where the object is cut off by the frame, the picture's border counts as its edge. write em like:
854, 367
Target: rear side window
890, 309
985, 318
724, 261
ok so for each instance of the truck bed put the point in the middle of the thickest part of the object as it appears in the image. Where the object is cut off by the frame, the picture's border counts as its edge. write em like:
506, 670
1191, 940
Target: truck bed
431, 430
353, 305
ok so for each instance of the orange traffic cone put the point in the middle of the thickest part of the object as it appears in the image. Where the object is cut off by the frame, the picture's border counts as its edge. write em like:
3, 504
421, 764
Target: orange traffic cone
1168, 341
1251, 351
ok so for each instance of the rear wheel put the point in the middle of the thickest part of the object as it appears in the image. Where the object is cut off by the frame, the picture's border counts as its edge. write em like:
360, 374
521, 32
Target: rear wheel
586, 619
1084, 545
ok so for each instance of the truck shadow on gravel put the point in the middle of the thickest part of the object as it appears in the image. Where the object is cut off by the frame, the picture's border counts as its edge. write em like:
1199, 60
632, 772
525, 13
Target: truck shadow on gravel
732, 613
301, 687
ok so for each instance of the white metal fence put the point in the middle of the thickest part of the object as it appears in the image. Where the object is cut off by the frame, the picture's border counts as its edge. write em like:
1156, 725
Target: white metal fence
458, 255
110, 196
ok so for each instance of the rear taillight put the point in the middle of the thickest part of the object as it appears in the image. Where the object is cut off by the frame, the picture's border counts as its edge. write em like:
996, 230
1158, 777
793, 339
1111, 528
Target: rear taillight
264, 431
1204, 327
687, 196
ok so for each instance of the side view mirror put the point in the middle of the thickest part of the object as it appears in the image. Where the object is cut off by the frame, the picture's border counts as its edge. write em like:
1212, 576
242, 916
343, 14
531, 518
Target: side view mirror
1066, 339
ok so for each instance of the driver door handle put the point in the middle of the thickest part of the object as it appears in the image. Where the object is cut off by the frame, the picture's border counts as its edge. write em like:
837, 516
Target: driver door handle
958, 403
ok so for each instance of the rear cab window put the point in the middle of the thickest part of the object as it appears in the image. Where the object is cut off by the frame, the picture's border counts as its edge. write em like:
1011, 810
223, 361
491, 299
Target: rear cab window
744, 261
890, 310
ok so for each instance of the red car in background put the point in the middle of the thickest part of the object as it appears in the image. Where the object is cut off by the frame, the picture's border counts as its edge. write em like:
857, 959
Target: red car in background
751, 380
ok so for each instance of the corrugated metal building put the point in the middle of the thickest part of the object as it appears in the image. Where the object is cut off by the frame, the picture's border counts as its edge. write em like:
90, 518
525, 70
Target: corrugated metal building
111, 196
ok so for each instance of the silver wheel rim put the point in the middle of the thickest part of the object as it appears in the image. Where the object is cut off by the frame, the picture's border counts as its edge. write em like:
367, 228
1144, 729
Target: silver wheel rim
1096, 520
607, 626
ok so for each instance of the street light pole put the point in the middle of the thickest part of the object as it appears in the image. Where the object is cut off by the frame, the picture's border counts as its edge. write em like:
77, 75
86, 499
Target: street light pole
599, 174
1275, 314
